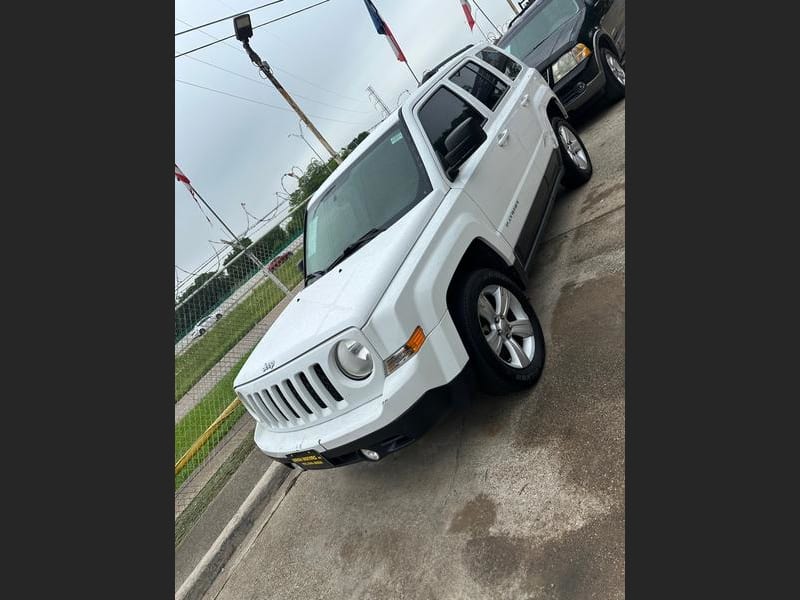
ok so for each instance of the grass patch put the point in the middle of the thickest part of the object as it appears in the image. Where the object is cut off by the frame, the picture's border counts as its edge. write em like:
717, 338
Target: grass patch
201, 356
201, 416
190, 515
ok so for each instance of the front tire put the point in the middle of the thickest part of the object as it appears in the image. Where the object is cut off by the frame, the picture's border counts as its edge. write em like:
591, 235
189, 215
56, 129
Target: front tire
577, 164
500, 332
615, 76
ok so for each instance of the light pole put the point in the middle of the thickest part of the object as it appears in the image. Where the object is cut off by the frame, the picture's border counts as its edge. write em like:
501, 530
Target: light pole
244, 31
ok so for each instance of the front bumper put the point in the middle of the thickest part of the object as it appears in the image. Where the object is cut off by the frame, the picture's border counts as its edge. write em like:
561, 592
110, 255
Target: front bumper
438, 363
585, 83
406, 429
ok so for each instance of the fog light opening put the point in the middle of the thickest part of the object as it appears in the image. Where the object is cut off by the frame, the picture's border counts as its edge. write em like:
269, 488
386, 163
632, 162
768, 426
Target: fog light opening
370, 454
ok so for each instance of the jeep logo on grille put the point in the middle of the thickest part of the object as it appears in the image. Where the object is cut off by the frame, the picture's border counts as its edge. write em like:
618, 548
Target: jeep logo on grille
267, 366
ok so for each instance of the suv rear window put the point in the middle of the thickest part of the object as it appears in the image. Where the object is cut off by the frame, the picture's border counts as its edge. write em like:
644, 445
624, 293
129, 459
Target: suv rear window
441, 114
480, 83
505, 64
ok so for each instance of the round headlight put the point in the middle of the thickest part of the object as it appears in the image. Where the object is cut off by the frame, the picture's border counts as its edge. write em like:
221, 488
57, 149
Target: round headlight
353, 359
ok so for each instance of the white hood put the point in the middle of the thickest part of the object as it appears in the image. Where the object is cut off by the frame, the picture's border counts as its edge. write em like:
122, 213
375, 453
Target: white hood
343, 298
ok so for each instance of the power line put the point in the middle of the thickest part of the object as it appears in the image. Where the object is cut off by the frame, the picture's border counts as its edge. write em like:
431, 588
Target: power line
260, 81
228, 17
256, 27
259, 102
274, 66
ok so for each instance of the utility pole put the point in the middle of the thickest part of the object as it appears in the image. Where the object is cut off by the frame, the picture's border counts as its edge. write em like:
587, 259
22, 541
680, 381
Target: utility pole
372, 93
244, 32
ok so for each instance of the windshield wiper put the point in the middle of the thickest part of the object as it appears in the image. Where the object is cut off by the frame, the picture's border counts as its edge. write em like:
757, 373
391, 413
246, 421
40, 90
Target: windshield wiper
351, 248
314, 275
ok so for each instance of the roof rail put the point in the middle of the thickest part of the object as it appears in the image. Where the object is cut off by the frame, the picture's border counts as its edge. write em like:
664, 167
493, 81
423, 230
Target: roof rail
428, 74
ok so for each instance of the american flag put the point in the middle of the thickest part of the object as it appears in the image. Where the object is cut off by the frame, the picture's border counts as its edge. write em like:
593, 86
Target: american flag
383, 29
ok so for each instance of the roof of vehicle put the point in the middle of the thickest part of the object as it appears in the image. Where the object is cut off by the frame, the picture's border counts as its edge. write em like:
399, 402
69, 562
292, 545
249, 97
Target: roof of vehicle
429, 80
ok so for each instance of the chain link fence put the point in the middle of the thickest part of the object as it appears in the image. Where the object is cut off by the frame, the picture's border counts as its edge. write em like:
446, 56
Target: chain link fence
219, 319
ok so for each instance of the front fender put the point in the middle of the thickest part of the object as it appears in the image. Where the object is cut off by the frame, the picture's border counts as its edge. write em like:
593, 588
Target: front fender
418, 292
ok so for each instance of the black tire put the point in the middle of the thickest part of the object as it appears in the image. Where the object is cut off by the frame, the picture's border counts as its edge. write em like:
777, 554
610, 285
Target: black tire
574, 174
614, 89
494, 375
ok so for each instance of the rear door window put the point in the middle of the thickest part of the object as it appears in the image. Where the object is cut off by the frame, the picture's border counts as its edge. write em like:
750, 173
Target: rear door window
502, 62
441, 114
479, 82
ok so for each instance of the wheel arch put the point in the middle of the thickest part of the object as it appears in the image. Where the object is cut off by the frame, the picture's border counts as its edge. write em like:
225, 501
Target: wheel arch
601, 39
555, 109
481, 255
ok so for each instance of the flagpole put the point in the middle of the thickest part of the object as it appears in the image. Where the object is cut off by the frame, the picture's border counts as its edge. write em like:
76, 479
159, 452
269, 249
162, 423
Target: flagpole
487, 17
247, 251
478, 25
412, 72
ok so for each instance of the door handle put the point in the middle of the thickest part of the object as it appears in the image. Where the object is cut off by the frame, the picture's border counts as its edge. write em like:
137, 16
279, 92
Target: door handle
502, 139
526, 99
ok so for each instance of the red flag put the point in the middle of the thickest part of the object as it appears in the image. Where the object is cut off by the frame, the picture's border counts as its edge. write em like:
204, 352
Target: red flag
468, 12
183, 179
179, 175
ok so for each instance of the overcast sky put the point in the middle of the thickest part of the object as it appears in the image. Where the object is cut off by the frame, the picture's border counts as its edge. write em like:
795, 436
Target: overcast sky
235, 151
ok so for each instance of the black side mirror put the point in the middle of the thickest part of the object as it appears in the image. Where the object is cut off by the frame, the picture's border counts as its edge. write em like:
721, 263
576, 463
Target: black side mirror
300, 266
461, 143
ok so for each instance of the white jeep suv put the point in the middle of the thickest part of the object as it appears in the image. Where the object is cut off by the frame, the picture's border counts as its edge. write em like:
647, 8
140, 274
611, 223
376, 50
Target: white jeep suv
416, 251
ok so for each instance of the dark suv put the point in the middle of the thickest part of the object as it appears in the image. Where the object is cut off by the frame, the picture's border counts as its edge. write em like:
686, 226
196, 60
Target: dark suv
577, 45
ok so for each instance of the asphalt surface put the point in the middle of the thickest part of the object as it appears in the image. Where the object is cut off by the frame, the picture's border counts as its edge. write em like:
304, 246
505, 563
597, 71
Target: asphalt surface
519, 496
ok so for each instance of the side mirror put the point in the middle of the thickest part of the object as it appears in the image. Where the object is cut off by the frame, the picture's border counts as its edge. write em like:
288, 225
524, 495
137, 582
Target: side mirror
300, 266
461, 143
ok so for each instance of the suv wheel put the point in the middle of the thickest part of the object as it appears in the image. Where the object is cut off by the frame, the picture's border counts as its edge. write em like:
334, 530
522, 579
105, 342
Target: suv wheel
615, 76
577, 164
500, 331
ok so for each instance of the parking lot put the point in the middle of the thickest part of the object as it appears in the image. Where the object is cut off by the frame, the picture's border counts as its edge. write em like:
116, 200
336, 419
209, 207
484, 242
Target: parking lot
510, 497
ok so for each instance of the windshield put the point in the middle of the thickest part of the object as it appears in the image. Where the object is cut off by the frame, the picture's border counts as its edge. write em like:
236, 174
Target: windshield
523, 38
386, 182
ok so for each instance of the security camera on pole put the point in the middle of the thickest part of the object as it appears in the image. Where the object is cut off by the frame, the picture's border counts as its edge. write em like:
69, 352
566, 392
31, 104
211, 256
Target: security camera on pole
244, 31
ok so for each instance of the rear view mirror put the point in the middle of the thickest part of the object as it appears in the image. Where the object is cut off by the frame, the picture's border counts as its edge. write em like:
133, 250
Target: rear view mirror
461, 143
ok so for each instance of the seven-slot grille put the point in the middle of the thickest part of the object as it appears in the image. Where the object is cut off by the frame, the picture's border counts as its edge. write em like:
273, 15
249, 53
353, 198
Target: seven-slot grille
298, 401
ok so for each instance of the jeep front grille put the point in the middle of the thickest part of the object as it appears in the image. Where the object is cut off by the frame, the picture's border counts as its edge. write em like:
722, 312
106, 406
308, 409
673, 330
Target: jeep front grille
297, 401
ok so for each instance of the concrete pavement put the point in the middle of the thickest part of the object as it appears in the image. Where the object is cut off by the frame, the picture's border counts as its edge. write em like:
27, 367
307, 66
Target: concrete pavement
510, 497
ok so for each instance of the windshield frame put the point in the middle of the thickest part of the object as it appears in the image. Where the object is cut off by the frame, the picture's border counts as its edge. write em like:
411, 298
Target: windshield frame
330, 185
525, 20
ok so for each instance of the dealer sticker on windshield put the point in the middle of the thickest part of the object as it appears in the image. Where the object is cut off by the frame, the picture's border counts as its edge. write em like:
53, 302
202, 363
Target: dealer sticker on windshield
396, 137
